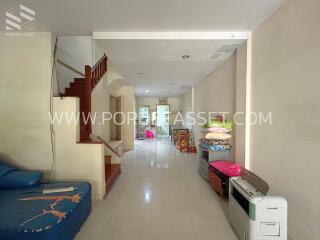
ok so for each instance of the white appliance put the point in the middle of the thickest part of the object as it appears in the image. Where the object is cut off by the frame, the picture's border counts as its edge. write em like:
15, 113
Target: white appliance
254, 216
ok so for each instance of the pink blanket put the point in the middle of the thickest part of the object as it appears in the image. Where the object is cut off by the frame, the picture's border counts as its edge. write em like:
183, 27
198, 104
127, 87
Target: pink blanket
227, 168
149, 134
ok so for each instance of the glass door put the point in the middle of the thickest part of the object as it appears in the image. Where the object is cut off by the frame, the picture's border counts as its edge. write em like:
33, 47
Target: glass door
163, 120
144, 116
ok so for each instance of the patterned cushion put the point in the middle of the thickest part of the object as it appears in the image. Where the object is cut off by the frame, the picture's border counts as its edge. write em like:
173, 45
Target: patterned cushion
29, 214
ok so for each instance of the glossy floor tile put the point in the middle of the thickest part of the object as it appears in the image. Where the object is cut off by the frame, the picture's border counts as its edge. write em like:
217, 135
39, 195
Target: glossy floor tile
159, 195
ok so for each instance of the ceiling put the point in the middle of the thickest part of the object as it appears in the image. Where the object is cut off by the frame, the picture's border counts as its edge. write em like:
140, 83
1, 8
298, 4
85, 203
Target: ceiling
158, 66
82, 17
164, 70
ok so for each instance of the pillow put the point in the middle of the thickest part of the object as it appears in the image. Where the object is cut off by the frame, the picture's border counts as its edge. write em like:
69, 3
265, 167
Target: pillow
4, 169
219, 136
20, 179
219, 130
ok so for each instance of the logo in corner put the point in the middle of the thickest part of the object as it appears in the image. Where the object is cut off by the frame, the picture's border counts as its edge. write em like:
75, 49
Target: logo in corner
20, 18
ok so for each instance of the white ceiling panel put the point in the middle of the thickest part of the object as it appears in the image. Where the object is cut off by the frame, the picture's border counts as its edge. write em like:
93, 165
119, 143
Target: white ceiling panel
82, 17
164, 70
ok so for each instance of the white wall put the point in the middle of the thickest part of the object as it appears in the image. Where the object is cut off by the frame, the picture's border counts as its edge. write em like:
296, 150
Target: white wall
76, 161
25, 100
174, 103
112, 85
97, 52
152, 102
216, 93
76, 51
239, 126
285, 81
100, 103
186, 106
127, 106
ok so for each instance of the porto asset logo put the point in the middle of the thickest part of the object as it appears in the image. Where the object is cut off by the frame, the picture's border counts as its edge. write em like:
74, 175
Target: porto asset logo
20, 19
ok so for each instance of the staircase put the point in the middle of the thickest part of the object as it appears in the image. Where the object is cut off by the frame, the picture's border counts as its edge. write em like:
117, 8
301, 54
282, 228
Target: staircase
82, 88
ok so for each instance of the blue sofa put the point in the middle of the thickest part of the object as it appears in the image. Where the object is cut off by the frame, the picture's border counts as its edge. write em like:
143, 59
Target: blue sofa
28, 214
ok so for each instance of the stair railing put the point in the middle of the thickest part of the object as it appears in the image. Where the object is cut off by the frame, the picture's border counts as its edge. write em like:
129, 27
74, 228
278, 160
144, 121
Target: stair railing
92, 76
107, 145
66, 65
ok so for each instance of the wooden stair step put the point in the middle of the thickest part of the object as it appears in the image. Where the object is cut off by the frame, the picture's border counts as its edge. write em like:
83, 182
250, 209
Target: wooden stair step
112, 171
79, 80
72, 93
77, 85
75, 92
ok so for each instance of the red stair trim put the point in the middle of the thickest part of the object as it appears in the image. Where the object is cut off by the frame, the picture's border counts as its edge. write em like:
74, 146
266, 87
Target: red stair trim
82, 88
112, 171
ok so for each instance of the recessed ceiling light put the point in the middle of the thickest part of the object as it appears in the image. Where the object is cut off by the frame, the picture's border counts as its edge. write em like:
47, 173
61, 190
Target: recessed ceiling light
185, 56
147, 91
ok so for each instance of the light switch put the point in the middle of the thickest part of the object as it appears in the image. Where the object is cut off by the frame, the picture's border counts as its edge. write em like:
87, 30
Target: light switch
270, 229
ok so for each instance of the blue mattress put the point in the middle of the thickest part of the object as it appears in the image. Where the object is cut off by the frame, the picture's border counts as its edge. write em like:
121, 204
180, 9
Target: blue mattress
27, 214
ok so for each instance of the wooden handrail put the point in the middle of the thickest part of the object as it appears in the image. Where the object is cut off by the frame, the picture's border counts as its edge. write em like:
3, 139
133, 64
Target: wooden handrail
104, 56
98, 70
108, 146
92, 76
87, 95
70, 67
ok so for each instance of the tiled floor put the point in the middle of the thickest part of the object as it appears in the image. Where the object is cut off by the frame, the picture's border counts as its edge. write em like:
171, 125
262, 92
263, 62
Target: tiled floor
159, 195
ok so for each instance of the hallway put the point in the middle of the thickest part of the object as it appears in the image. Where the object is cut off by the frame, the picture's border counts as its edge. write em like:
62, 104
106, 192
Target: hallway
159, 195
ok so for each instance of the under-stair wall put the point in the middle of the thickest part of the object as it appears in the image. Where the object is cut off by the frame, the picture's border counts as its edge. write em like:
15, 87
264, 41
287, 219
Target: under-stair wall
76, 161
